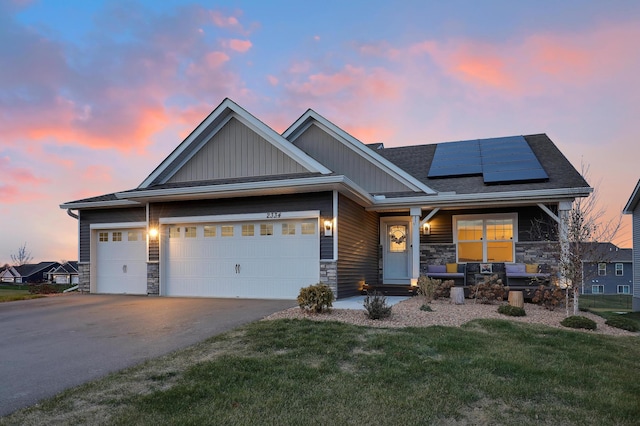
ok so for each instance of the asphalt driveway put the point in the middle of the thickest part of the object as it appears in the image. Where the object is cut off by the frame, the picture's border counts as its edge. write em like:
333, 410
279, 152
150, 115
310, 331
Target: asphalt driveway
51, 344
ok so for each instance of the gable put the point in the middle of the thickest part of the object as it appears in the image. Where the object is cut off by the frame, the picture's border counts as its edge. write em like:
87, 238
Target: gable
236, 151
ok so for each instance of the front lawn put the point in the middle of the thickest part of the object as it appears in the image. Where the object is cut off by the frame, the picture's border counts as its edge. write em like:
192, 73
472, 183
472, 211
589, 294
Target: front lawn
11, 293
301, 372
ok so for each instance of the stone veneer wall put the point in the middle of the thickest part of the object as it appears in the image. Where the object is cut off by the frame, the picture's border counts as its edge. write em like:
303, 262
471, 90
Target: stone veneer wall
153, 278
329, 276
436, 254
84, 277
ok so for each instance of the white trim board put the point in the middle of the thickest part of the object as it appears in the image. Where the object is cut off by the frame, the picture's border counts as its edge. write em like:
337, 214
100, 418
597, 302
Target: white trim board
266, 216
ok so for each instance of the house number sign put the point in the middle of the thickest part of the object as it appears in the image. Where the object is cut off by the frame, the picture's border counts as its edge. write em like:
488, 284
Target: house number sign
274, 215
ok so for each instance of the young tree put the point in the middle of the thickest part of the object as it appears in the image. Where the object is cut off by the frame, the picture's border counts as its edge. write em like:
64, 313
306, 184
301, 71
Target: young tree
583, 227
22, 256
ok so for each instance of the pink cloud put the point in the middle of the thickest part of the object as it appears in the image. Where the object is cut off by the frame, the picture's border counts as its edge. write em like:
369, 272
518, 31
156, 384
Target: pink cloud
241, 46
224, 21
273, 80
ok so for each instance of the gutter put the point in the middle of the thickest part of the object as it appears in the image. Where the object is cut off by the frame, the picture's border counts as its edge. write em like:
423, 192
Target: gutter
72, 214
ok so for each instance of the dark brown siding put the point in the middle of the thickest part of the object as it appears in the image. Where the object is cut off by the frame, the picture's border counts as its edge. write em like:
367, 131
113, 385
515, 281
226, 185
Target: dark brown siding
322, 201
442, 223
89, 217
358, 242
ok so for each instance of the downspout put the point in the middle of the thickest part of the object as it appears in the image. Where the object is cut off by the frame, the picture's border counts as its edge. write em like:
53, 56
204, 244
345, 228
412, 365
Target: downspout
72, 214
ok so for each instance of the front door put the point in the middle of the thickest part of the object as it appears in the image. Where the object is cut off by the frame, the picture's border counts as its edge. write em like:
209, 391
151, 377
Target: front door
396, 246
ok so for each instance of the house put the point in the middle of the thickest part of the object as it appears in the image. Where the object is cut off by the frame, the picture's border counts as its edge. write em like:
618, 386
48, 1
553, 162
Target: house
8, 274
239, 210
28, 273
633, 208
607, 269
67, 273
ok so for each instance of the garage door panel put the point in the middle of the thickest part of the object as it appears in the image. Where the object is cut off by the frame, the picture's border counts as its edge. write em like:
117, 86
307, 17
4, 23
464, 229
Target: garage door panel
263, 266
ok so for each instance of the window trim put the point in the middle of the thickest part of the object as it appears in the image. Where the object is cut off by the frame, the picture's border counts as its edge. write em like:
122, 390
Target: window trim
619, 268
602, 269
599, 286
485, 218
624, 285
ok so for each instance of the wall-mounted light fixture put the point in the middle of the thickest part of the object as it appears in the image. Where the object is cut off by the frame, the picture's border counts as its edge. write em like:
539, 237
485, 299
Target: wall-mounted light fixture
328, 228
426, 229
153, 233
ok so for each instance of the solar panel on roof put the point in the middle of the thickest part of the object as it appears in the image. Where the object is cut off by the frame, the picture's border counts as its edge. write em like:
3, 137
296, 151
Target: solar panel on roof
499, 160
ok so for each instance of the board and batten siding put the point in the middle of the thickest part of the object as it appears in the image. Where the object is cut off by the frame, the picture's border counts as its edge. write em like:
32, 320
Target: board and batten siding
344, 161
358, 243
636, 258
89, 217
233, 152
322, 201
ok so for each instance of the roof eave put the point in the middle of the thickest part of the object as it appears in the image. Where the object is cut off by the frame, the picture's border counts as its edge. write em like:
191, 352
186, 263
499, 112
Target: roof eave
99, 204
633, 200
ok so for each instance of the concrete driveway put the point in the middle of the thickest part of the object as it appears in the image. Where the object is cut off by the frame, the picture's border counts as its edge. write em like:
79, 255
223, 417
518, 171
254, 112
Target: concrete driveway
51, 344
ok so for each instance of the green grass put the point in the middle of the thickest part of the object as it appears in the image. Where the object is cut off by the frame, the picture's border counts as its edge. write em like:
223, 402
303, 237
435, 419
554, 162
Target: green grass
14, 293
606, 302
293, 372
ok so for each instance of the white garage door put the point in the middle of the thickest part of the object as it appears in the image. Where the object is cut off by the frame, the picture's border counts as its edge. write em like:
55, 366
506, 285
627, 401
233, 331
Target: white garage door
121, 266
244, 259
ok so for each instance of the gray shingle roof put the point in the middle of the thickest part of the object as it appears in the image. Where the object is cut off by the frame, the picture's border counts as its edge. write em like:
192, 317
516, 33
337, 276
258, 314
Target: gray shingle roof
417, 159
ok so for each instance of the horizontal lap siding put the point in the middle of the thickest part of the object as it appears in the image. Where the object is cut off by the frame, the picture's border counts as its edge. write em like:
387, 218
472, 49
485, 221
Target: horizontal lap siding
358, 242
636, 258
282, 203
89, 217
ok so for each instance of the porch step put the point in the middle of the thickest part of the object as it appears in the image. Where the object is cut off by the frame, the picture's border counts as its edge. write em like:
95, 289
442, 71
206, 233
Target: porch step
390, 289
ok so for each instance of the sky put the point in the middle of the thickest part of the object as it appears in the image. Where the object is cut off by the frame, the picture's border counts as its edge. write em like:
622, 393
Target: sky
95, 94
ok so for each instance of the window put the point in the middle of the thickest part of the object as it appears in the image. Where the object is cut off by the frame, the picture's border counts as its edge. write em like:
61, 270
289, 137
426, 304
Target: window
485, 238
624, 289
174, 232
190, 232
132, 236
397, 238
116, 236
103, 236
308, 228
602, 269
619, 270
226, 230
209, 231
597, 289
288, 229
266, 229
248, 230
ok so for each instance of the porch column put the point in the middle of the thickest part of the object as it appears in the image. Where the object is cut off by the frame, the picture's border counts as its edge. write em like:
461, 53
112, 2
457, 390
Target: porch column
415, 213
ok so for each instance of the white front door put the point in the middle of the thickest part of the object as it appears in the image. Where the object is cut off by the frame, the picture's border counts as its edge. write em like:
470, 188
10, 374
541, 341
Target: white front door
396, 246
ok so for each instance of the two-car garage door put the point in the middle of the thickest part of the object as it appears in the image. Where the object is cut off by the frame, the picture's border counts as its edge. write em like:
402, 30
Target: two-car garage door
249, 259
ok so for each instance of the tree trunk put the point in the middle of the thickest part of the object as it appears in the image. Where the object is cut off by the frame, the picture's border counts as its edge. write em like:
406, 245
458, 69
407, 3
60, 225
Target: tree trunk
457, 295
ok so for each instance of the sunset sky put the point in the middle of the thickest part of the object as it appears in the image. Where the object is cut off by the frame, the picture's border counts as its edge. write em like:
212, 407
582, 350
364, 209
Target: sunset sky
94, 94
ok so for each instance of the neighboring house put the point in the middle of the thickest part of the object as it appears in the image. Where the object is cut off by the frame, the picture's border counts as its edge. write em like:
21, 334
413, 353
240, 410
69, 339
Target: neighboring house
28, 273
8, 274
66, 273
633, 208
239, 210
607, 269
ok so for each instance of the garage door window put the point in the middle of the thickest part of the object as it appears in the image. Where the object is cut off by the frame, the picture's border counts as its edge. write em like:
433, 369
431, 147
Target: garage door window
132, 236
116, 236
308, 228
209, 231
227, 230
190, 232
174, 232
266, 229
248, 230
103, 237
288, 229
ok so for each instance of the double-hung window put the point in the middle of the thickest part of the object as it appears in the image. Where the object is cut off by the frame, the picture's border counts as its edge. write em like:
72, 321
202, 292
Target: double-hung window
485, 238
619, 270
602, 269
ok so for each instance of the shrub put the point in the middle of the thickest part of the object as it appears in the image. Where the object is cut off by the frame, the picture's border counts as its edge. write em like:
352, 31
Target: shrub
622, 323
376, 306
43, 288
315, 298
443, 290
426, 307
577, 321
489, 291
427, 287
550, 297
512, 311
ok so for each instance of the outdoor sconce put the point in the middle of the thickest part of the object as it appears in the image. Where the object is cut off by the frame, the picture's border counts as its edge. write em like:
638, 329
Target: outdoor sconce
426, 229
153, 233
328, 228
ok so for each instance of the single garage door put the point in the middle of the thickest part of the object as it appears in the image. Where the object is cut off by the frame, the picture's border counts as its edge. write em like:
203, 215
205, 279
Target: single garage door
121, 266
270, 260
